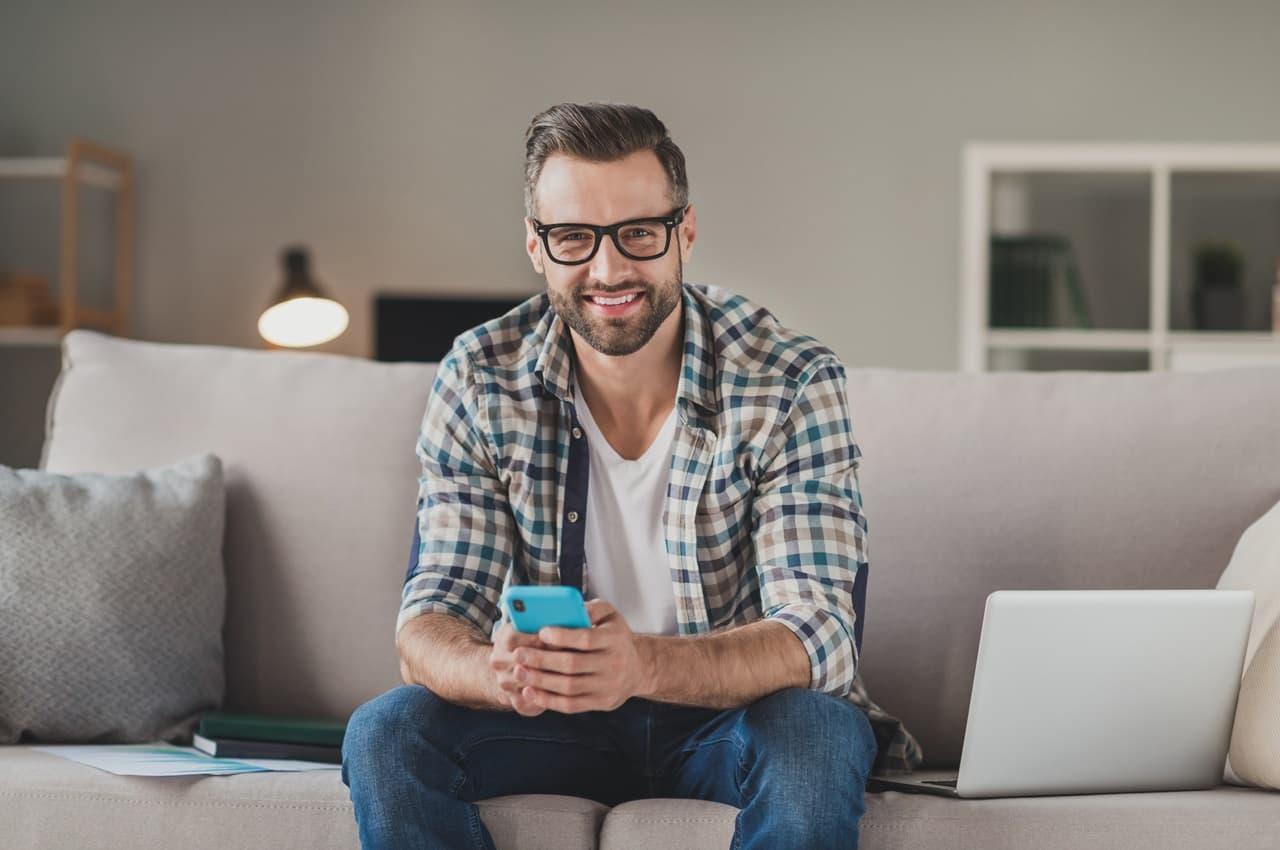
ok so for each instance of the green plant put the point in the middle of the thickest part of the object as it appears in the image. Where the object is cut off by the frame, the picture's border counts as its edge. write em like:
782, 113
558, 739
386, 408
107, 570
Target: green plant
1219, 264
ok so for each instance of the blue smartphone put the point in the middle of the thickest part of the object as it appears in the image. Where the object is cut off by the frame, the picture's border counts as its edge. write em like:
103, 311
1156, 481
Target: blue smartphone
530, 607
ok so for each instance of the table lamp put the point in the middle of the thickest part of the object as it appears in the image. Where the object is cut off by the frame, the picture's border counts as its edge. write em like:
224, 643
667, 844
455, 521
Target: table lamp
301, 315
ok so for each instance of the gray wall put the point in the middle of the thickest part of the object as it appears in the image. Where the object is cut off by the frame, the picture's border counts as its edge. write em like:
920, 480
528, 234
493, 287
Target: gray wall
823, 139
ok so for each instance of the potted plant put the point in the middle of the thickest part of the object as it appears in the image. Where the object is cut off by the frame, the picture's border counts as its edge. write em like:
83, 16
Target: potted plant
1218, 296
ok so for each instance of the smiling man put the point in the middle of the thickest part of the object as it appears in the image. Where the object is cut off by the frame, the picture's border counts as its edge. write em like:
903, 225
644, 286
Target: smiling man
688, 462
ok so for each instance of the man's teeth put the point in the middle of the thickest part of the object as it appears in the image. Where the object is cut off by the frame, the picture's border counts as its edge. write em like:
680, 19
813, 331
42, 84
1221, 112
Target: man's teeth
613, 302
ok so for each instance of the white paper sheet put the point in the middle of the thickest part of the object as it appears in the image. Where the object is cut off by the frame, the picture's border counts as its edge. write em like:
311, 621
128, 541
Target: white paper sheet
163, 759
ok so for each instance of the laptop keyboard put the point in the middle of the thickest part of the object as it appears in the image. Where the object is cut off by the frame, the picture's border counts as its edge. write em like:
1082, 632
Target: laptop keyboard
950, 783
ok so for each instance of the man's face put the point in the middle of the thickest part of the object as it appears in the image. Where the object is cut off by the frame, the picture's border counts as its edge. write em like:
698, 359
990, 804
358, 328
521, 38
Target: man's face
574, 190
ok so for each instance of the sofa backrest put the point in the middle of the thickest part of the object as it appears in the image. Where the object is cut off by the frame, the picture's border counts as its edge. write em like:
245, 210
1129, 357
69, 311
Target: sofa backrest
1039, 480
321, 476
971, 483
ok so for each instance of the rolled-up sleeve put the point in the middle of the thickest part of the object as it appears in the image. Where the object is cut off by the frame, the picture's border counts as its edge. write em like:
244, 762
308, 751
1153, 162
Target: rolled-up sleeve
809, 529
464, 538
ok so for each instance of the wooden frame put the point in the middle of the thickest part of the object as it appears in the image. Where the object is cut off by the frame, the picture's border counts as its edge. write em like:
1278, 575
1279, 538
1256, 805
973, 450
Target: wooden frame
82, 153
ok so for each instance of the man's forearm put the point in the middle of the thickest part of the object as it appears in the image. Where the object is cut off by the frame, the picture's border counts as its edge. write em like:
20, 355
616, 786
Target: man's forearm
448, 655
725, 669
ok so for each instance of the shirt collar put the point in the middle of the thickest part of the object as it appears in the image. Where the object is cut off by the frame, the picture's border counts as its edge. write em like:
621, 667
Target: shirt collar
697, 363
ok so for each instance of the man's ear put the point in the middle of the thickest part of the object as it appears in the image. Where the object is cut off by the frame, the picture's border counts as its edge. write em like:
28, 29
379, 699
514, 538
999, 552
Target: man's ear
533, 245
688, 233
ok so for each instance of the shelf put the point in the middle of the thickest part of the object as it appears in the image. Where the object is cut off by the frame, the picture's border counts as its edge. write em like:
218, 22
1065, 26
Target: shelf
55, 168
1225, 340
30, 336
1198, 356
1067, 339
1196, 351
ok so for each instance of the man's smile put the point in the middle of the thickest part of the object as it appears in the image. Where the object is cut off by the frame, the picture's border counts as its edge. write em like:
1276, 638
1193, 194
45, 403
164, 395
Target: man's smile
615, 305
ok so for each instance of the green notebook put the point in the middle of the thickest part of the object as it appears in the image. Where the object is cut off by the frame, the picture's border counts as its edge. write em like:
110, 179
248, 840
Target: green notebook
262, 727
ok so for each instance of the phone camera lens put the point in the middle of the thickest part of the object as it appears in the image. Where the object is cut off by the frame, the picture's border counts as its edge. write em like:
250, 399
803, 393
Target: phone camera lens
518, 604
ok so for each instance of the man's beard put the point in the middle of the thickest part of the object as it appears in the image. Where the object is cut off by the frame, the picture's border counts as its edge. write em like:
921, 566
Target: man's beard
626, 336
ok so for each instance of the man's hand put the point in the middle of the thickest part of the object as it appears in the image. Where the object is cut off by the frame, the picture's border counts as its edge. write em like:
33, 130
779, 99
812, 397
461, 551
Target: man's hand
506, 641
576, 670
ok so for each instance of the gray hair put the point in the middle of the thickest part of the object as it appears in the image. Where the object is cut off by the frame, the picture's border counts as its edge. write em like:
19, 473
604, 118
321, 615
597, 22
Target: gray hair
601, 132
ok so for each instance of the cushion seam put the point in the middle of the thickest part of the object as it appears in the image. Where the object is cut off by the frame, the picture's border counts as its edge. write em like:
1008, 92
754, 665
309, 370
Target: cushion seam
625, 816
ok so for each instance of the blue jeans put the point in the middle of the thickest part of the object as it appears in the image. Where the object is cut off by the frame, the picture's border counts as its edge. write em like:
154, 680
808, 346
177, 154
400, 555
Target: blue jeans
795, 763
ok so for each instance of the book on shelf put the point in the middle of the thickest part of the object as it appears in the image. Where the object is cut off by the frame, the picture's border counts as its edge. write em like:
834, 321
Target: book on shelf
1035, 282
268, 728
233, 748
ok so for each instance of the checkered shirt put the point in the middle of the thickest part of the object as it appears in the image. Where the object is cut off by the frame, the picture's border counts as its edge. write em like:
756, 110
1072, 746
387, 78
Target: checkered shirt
763, 518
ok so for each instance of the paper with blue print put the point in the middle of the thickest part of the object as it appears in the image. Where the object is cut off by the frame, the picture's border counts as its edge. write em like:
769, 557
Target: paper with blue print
161, 759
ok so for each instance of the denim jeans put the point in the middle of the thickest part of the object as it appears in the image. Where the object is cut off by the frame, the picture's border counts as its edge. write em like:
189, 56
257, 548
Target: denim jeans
795, 763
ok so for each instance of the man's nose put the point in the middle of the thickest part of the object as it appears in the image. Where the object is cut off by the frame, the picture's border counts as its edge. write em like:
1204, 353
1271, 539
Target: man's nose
609, 264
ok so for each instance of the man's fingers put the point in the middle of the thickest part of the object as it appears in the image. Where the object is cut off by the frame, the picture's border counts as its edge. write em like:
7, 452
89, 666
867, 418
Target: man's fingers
524, 706
556, 702
557, 683
581, 639
598, 609
514, 639
573, 663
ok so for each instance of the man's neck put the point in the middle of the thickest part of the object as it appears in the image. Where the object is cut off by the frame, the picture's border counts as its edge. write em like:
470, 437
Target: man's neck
637, 387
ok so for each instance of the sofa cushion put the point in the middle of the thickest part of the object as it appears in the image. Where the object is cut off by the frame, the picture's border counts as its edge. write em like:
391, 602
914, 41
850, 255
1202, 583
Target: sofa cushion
1227, 816
112, 596
321, 494
1255, 736
51, 803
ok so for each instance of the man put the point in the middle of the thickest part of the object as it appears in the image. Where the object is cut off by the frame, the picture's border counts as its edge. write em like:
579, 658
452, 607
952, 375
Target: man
688, 462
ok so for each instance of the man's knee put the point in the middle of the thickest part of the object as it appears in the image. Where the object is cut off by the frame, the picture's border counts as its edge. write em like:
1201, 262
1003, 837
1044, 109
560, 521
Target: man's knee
810, 728
381, 725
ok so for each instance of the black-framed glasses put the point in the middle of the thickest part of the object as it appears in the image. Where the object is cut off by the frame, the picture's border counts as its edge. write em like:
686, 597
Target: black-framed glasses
571, 244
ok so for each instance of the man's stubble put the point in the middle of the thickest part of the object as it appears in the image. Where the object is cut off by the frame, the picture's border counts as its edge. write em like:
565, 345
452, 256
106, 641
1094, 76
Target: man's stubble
614, 337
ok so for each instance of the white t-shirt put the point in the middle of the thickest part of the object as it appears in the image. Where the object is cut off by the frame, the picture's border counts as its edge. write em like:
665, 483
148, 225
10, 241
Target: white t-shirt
625, 547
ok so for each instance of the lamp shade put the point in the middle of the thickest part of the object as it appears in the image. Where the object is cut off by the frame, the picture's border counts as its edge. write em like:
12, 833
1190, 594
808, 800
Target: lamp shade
301, 314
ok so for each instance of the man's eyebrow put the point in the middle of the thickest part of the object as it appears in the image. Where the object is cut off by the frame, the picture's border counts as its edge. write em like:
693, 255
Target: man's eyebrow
663, 214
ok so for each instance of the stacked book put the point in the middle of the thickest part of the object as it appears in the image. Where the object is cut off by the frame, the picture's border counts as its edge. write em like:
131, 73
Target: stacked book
258, 736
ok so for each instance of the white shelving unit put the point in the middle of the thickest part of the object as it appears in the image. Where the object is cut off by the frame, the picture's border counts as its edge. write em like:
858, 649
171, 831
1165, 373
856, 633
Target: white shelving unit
1158, 165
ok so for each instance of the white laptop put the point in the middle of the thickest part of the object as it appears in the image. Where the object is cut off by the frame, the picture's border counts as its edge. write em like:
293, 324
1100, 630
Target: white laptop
1098, 691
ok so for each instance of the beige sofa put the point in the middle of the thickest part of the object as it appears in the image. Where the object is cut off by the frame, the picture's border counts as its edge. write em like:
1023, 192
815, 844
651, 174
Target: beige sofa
971, 483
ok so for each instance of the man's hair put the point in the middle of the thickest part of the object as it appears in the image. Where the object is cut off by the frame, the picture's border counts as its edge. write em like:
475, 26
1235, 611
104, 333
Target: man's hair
600, 132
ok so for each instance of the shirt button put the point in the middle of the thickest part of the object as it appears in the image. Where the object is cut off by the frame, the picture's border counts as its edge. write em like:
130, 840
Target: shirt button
573, 516
577, 432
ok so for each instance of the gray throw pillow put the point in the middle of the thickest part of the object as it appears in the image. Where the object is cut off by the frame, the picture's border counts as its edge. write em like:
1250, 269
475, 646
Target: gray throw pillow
112, 600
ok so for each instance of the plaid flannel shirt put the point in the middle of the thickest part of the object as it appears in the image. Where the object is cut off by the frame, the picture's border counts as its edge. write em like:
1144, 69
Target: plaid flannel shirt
763, 517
